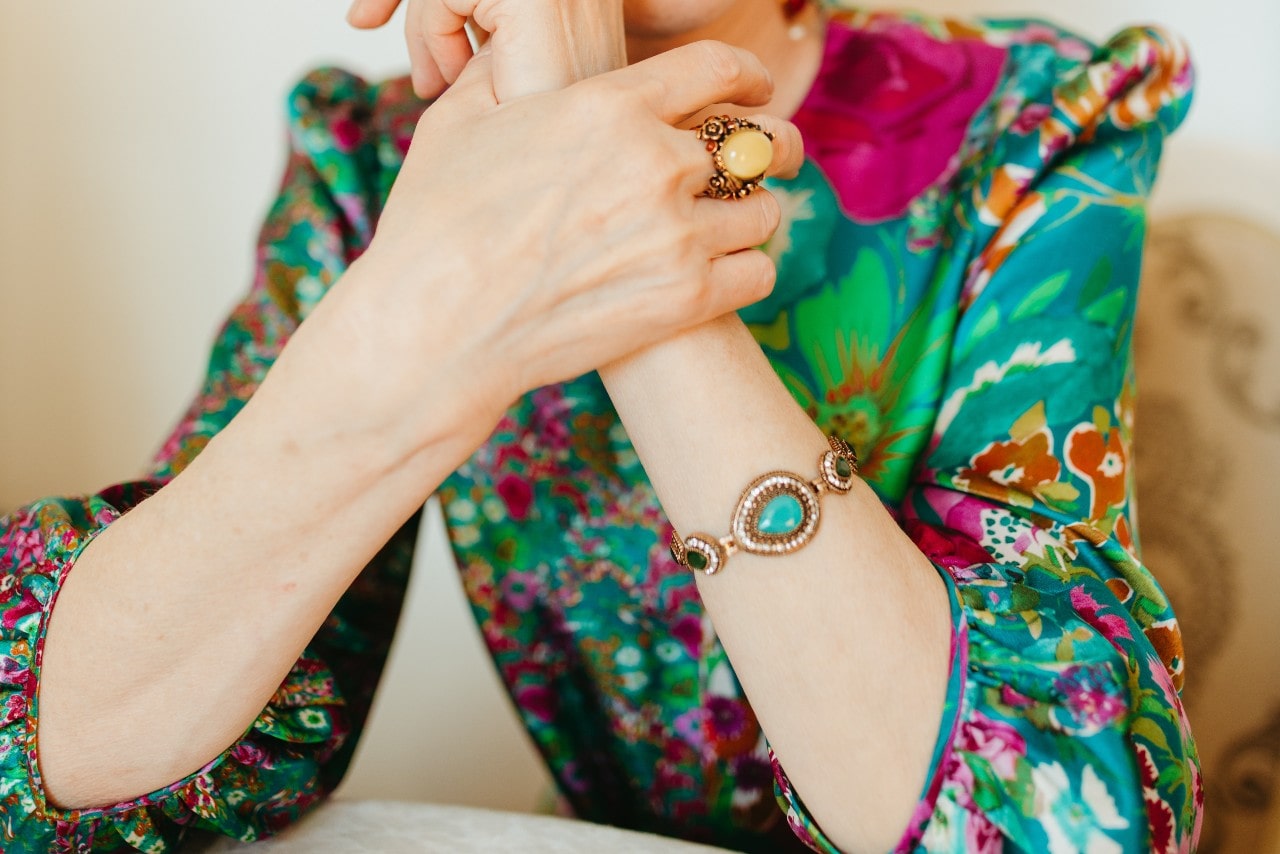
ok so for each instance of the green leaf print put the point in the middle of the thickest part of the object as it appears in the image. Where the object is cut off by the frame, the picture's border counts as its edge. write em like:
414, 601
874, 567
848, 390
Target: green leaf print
1041, 296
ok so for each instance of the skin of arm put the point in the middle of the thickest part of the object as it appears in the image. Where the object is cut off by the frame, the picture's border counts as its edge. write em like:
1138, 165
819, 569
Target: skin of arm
842, 647
183, 617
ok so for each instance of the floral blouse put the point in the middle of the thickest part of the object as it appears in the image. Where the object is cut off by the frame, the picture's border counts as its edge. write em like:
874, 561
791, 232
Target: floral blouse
958, 270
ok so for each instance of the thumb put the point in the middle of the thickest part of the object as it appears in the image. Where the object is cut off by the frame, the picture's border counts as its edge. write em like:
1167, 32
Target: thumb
474, 86
544, 45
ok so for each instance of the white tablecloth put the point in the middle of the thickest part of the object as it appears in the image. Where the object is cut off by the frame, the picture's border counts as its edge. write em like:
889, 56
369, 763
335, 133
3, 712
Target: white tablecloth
387, 827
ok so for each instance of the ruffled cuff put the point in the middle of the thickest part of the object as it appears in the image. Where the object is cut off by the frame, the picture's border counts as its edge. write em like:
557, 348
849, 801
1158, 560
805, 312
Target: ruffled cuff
255, 787
802, 822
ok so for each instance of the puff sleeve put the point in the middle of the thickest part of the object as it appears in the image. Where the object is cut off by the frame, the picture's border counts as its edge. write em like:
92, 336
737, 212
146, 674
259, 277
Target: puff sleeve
346, 139
1064, 730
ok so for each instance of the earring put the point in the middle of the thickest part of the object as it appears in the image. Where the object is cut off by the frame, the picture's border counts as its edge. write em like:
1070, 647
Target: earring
791, 8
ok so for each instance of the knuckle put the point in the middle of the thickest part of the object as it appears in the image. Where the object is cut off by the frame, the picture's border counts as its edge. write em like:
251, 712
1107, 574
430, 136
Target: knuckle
692, 288
722, 62
770, 213
681, 248
666, 171
763, 278
694, 299
601, 99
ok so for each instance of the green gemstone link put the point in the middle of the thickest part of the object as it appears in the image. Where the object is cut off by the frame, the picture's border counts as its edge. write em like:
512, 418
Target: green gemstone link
697, 560
843, 468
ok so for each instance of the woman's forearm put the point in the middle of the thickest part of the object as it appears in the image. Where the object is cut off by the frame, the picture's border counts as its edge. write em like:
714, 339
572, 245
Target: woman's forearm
178, 623
841, 647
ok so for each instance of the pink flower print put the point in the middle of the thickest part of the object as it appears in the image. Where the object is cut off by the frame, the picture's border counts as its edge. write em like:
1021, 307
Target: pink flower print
20, 606
998, 743
1015, 699
14, 709
1091, 701
247, 753
890, 111
690, 727
947, 548
730, 727
688, 630
537, 700
517, 494
23, 543
520, 590
959, 776
1164, 826
725, 718
959, 511
1030, 119
981, 836
573, 777
550, 422
1111, 626
346, 134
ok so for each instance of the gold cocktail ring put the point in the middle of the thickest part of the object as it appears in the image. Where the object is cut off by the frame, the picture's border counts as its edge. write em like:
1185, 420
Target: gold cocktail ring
741, 152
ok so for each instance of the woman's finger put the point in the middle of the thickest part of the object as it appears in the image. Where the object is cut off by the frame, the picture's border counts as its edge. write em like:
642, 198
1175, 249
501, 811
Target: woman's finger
545, 45
370, 14
443, 26
788, 145
474, 86
686, 80
729, 226
788, 154
428, 82
735, 281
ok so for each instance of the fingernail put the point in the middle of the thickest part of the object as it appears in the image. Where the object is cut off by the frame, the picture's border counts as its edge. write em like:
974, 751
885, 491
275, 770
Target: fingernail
354, 10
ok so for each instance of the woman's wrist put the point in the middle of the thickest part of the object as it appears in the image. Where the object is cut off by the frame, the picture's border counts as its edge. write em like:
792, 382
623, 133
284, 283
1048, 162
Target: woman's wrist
371, 387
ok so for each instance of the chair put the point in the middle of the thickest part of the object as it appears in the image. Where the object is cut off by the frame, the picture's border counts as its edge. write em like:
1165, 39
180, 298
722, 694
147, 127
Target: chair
1207, 460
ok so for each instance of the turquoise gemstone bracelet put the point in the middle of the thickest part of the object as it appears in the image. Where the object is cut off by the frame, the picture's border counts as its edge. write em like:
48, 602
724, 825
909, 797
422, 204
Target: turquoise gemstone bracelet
776, 515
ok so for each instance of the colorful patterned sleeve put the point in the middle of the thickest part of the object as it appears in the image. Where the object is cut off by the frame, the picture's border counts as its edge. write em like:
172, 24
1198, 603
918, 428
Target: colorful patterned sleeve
300, 745
1064, 730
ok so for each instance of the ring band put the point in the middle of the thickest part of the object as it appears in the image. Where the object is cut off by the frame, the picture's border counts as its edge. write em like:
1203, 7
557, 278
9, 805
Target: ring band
741, 152
776, 515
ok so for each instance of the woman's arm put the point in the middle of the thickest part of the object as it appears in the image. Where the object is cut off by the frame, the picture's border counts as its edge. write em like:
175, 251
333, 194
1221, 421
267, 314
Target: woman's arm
1068, 729
181, 618
841, 647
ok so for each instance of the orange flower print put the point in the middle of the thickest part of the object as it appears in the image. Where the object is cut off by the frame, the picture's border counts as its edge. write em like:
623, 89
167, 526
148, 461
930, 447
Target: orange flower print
1096, 453
1020, 470
1013, 465
1166, 637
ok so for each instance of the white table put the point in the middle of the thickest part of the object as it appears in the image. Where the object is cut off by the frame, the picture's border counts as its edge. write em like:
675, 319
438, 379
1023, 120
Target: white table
388, 827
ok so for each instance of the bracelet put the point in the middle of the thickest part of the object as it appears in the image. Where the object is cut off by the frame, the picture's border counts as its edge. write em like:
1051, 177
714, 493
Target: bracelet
776, 515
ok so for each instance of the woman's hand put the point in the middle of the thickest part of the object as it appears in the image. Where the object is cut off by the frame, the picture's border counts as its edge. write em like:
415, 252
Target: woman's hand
528, 243
554, 44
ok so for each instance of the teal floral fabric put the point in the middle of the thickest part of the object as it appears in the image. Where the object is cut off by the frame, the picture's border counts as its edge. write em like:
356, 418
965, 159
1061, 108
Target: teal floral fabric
958, 268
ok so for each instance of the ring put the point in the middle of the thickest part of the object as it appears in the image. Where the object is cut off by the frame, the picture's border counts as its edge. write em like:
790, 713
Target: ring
741, 151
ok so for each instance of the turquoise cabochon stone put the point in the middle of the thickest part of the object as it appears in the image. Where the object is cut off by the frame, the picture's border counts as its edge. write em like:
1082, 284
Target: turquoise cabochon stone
781, 515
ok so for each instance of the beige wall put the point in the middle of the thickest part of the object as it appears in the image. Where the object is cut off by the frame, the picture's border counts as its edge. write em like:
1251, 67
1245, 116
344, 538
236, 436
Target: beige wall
139, 144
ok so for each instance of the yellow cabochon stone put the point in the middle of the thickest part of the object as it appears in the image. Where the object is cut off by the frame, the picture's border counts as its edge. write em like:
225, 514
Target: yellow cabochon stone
747, 154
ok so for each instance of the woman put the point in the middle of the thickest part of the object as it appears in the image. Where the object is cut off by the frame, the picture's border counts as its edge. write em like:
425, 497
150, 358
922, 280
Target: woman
968, 655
